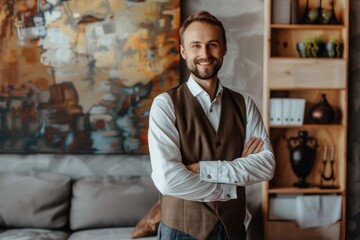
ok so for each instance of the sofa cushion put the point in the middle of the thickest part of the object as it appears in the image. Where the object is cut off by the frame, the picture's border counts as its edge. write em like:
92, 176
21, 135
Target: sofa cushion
123, 233
34, 199
32, 234
111, 201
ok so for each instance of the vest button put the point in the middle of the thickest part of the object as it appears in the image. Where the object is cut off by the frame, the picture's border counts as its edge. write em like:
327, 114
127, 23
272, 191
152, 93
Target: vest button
220, 211
228, 195
217, 144
208, 176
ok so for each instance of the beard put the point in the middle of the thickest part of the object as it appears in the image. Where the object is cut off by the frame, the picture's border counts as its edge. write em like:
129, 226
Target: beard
206, 73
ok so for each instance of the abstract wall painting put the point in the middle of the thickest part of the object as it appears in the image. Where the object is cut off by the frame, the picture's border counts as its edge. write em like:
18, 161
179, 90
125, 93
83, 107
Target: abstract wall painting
79, 76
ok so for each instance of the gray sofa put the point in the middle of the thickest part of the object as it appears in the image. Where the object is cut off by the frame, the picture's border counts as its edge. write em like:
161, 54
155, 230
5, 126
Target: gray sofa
52, 206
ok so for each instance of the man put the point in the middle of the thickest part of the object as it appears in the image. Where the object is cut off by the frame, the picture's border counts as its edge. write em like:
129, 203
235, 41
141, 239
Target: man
197, 135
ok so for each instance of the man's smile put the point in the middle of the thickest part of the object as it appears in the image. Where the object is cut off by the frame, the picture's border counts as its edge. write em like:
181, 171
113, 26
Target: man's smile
205, 63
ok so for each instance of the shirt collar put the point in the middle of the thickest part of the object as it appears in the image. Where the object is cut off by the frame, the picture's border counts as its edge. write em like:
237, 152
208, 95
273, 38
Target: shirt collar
196, 89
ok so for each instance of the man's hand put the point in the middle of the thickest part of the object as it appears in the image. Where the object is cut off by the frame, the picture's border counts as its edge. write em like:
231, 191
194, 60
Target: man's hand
254, 145
195, 167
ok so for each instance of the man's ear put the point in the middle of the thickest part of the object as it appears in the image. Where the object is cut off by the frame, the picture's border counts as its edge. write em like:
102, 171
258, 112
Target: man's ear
182, 52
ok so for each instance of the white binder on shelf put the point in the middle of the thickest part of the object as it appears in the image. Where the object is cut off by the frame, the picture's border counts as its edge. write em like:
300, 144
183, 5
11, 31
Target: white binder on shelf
287, 117
276, 109
297, 109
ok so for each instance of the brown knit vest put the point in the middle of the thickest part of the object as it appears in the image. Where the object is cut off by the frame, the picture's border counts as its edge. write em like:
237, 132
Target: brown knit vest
199, 141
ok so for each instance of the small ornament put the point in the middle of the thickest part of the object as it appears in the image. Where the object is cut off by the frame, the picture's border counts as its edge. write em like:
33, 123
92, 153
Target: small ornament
327, 181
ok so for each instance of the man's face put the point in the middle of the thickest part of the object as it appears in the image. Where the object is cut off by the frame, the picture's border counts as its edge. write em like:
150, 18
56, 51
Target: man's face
203, 49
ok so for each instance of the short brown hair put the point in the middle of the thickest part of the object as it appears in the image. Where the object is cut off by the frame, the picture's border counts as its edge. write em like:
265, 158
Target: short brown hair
202, 16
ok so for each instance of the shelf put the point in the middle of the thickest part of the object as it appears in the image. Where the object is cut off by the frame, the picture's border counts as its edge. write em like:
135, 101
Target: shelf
305, 88
293, 221
311, 73
288, 76
304, 59
279, 229
308, 26
309, 126
299, 60
283, 41
310, 190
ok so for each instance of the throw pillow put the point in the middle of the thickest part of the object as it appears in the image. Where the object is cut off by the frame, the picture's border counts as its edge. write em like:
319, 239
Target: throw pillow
116, 201
148, 225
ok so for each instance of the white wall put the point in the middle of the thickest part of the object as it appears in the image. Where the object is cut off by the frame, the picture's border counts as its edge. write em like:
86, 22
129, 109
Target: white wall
243, 22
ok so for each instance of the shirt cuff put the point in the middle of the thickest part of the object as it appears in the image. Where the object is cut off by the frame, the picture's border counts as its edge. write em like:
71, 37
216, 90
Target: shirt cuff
209, 171
228, 192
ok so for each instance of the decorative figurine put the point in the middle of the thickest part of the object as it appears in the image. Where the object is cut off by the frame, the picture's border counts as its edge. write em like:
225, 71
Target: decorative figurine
327, 181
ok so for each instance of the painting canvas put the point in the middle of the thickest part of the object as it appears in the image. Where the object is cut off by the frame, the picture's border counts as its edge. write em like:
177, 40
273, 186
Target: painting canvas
79, 76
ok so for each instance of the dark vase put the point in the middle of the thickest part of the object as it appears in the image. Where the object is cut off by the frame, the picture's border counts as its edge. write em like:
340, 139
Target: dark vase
328, 15
322, 112
319, 15
305, 18
302, 150
312, 15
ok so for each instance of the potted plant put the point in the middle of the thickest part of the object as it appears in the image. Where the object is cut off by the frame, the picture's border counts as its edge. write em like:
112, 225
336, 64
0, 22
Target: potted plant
311, 47
334, 47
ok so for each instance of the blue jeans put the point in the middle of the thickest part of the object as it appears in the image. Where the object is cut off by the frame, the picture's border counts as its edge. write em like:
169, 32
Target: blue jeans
218, 233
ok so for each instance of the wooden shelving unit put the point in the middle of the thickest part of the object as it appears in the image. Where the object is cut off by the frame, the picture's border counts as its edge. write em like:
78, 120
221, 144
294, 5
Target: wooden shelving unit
287, 75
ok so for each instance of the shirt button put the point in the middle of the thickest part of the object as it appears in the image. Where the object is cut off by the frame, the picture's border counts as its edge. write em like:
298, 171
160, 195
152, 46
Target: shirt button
211, 110
217, 144
209, 176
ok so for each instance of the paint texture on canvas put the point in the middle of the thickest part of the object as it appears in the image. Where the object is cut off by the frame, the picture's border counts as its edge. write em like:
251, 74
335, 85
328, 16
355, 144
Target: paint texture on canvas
79, 76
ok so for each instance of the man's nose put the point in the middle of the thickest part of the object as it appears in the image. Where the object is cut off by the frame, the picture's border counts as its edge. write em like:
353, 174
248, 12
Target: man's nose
204, 52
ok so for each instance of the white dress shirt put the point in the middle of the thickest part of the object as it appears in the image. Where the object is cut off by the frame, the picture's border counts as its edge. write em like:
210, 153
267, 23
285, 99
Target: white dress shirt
218, 179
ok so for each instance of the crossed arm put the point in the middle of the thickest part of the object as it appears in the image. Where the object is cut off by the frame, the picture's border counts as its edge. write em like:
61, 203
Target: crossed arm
173, 178
254, 145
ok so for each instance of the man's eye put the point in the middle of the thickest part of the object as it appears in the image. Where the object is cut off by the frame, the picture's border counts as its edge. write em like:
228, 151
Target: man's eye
196, 46
213, 45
